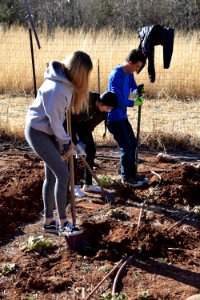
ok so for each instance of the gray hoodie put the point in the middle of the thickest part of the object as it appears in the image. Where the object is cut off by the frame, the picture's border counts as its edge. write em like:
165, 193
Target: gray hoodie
47, 112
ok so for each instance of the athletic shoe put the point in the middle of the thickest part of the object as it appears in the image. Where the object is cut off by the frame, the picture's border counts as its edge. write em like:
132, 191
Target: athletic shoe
51, 227
132, 182
69, 229
78, 192
143, 179
92, 188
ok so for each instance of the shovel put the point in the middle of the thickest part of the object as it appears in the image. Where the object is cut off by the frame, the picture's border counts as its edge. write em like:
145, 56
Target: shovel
105, 194
76, 242
138, 136
138, 130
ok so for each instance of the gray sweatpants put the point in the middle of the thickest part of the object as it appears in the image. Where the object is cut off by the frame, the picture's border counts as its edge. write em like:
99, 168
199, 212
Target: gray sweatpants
56, 172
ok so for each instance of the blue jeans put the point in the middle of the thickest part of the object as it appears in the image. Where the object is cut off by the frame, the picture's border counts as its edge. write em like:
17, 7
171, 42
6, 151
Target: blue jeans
127, 142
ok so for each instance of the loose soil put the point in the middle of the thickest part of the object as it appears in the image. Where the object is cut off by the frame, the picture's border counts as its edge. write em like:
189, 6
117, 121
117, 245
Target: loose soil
154, 229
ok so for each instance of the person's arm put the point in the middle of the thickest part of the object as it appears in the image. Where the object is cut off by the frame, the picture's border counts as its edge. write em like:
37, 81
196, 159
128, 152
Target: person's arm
55, 103
115, 85
133, 84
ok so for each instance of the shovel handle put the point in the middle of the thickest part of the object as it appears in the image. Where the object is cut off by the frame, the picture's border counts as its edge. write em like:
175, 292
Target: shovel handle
91, 172
71, 169
138, 131
104, 193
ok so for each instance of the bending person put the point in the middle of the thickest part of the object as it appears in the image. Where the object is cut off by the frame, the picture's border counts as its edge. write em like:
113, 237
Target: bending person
82, 128
66, 84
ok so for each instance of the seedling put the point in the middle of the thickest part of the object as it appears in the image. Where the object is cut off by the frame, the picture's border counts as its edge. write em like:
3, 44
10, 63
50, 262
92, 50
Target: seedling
105, 180
30, 297
144, 296
7, 268
162, 260
106, 268
87, 269
153, 192
117, 214
36, 243
109, 296
197, 209
136, 277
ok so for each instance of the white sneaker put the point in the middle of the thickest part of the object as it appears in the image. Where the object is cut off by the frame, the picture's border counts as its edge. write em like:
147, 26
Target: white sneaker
69, 229
78, 193
92, 188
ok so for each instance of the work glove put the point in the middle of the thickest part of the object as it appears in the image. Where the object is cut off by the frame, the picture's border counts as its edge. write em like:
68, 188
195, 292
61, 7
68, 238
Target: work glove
139, 101
140, 89
68, 150
80, 146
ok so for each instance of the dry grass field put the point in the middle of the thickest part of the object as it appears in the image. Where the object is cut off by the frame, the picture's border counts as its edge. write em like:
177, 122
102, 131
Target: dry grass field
166, 124
106, 50
170, 114
150, 233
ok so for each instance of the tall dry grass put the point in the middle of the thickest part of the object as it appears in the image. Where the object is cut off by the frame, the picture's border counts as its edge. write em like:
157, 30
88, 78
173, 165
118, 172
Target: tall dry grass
107, 50
167, 121
165, 124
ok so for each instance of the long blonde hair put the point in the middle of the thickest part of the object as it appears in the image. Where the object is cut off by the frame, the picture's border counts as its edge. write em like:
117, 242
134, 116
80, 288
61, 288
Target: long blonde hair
77, 68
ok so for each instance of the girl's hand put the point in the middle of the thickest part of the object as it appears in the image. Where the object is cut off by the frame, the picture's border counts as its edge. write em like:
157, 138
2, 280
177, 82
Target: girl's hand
68, 150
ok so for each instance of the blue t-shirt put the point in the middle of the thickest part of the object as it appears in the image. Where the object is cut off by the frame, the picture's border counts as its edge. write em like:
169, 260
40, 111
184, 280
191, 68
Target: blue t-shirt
122, 84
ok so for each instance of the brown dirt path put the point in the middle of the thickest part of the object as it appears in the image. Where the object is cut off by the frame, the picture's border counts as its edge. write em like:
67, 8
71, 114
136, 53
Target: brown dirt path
164, 247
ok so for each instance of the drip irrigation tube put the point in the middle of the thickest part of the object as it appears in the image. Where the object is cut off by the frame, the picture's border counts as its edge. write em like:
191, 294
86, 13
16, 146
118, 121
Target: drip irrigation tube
100, 283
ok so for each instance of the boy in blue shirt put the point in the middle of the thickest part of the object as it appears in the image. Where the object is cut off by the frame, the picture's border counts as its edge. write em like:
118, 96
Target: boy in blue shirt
122, 82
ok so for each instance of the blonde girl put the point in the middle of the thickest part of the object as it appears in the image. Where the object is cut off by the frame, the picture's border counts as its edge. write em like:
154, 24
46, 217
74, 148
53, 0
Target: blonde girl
66, 85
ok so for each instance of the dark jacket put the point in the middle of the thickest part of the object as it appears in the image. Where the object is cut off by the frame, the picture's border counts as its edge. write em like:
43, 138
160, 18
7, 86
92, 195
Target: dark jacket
85, 122
154, 35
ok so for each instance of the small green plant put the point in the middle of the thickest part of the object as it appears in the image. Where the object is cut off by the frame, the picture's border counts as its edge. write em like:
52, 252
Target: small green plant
144, 296
105, 180
29, 297
162, 260
136, 277
106, 268
36, 243
7, 268
87, 269
117, 214
197, 209
153, 192
109, 296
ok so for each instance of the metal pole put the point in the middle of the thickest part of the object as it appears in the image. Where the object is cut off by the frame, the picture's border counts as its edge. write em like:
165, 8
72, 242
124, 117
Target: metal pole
98, 78
33, 61
32, 27
31, 24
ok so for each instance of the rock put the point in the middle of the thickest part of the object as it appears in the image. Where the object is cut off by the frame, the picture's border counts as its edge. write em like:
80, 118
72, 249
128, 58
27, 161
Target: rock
162, 157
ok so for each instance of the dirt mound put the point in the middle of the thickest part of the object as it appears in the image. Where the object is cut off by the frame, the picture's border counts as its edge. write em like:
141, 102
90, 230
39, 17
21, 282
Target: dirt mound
155, 225
20, 187
181, 184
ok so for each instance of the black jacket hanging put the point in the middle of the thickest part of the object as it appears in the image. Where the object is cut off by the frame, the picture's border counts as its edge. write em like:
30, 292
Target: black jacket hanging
151, 36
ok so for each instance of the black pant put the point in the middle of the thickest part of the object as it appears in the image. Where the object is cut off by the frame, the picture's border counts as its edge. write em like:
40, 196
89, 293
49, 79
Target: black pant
90, 150
90, 156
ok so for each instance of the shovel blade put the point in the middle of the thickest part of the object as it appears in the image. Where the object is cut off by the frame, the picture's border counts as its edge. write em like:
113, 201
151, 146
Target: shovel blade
108, 197
76, 243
